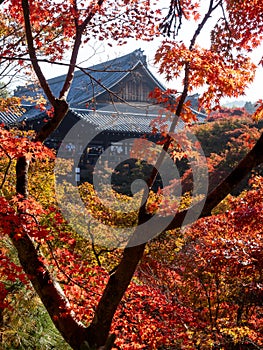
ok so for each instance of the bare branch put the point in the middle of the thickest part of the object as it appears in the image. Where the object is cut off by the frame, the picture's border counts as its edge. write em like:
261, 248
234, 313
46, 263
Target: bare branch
173, 21
201, 25
73, 60
32, 53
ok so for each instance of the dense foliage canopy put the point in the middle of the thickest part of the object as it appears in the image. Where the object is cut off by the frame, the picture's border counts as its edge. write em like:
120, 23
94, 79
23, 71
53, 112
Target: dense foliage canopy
195, 288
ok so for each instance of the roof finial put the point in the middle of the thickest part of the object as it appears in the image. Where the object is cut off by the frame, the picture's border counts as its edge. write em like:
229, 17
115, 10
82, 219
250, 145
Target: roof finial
139, 54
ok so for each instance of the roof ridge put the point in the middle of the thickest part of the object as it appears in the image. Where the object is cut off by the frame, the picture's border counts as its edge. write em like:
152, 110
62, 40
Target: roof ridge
136, 56
90, 111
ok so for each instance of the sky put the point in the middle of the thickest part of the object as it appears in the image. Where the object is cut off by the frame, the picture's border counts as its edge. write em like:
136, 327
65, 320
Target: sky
98, 52
103, 53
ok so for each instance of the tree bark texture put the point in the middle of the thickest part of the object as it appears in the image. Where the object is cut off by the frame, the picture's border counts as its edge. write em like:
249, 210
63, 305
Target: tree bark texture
50, 293
96, 336
22, 166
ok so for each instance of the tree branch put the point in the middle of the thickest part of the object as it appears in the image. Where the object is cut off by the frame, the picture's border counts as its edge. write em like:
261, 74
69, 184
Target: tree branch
120, 279
7, 168
49, 292
73, 60
32, 53
252, 159
60, 110
113, 293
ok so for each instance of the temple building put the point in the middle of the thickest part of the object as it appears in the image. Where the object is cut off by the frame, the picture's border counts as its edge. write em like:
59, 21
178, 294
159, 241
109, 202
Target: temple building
110, 98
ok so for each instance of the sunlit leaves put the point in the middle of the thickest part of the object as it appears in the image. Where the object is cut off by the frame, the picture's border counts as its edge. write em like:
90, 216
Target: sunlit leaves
9, 104
242, 28
216, 276
223, 69
55, 24
17, 143
259, 111
218, 75
210, 291
168, 101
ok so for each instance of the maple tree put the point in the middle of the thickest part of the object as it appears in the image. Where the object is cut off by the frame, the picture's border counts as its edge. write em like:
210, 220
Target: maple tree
225, 141
44, 31
214, 281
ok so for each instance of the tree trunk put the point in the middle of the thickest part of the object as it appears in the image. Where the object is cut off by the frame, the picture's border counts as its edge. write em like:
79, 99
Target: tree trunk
113, 293
50, 293
96, 336
22, 166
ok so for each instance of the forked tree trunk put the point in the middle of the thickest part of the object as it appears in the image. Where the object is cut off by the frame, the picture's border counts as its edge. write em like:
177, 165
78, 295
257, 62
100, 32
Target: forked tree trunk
48, 289
96, 336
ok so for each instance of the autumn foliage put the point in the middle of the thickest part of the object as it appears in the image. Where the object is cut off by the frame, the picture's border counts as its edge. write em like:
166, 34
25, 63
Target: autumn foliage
198, 287
214, 281
205, 289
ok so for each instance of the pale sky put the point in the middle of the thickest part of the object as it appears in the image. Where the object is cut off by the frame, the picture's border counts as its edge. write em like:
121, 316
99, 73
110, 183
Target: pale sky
89, 57
104, 53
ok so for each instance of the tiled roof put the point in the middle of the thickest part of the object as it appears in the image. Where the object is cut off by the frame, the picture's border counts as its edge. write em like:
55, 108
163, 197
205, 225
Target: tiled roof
118, 122
11, 116
122, 122
118, 117
93, 81
31, 113
130, 120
